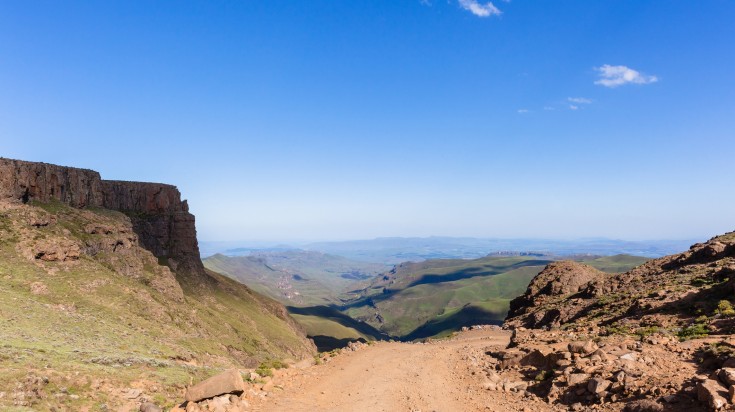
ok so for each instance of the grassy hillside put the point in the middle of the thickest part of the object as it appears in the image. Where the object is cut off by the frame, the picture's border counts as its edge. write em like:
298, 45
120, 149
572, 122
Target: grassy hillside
296, 277
402, 300
435, 297
332, 329
84, 306
615, 264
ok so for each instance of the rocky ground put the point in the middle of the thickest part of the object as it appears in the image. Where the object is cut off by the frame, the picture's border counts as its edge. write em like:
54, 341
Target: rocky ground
446, 375
655, 338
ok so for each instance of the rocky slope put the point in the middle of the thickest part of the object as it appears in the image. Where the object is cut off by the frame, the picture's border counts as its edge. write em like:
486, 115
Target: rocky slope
104, 303
658, 337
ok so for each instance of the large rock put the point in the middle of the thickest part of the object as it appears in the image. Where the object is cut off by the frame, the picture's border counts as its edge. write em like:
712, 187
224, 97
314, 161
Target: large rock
557, 280
598, 385
712, 394
582, 347
229, 381
727, 376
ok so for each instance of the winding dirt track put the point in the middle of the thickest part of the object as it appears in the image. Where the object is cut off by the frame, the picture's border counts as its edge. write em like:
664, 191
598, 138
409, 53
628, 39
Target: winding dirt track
397, 377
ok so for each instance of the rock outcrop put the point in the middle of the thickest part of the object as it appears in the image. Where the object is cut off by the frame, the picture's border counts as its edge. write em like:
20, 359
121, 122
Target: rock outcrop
557, 281
160, 218
658, 337
22, 181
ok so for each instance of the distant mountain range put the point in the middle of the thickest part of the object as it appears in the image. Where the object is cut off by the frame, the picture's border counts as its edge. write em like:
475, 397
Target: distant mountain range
394, 250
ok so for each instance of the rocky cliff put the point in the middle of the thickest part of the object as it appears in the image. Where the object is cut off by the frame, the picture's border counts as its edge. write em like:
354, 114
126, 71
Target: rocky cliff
90, 318
27, 181
160, 218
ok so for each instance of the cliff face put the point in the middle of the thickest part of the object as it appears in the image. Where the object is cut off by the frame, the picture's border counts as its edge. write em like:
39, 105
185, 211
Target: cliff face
160, 218
26, 181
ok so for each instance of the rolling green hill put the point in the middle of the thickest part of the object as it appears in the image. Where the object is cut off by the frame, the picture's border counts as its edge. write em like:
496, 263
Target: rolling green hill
296, 277
330, 297
435, 297
616, 263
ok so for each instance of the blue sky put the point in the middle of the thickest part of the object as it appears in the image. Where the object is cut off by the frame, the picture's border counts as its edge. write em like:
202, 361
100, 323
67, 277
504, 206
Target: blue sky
327, 119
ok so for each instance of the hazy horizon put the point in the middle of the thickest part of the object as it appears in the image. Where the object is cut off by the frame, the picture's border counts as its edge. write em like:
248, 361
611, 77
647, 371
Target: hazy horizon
344, 120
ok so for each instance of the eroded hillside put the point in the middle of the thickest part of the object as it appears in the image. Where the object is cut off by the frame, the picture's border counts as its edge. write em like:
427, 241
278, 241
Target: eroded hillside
105, 309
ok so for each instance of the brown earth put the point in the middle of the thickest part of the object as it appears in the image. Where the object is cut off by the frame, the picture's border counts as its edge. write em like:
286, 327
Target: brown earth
447, 375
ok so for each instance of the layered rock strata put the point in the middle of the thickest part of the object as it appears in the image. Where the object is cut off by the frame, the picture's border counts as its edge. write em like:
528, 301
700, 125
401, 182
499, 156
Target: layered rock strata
160, 218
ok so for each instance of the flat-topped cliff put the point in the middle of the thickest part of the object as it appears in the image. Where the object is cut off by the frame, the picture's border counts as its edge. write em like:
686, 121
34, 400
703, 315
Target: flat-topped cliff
160, 218
104, 302
27, 181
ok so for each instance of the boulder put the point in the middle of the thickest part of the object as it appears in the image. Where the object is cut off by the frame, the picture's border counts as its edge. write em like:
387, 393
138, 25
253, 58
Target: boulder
727, 376
226, 382
710, 392
583, 347
598, 385
577, 378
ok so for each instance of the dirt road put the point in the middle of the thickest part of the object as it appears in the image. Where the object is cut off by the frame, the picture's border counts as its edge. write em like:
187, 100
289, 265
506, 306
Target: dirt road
441, 376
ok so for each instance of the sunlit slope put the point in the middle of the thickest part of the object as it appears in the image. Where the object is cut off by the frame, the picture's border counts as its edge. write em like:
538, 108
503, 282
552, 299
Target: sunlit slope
435, 297
81, 302
296, 277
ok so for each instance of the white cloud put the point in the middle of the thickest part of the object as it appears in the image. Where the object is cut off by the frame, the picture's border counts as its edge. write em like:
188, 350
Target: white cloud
573, 107
522, 111
614, 76
549, 108
480, 10
579, 100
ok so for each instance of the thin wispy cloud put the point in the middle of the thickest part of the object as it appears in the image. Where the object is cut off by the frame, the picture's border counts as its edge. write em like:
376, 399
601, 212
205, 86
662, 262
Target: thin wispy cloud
579, 100
522, 111
614, 76
480, 10
573, 107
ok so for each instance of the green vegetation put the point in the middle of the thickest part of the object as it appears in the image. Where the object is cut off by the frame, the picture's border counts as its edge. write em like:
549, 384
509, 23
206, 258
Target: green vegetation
724, 308
266, 368
694, 331
436, 297
647, 331
296, 277
543, 375
432, 297
81, 322
616, 263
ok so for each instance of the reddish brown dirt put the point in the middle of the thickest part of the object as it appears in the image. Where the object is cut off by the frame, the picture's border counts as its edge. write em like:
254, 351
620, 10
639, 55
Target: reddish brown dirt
400, 377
